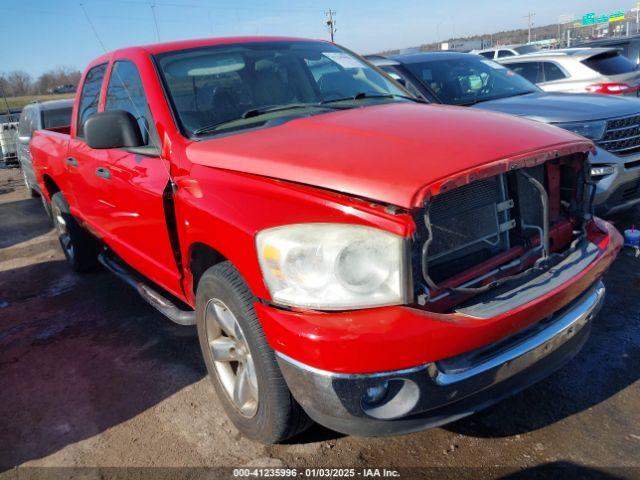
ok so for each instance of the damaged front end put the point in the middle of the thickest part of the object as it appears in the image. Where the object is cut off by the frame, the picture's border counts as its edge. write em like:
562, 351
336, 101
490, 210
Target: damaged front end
490, 241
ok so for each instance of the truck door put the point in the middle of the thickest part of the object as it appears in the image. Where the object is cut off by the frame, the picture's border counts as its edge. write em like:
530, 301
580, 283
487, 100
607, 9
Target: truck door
84, 190
136, 180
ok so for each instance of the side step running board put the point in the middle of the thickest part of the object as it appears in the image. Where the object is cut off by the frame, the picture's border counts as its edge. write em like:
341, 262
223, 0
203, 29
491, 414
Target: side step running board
152, 297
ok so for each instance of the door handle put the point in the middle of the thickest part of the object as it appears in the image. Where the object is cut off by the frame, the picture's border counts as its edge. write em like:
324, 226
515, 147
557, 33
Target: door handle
103, 173
72, 162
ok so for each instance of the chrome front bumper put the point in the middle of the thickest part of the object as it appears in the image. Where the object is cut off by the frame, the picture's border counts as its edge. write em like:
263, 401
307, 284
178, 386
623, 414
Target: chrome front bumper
429, 395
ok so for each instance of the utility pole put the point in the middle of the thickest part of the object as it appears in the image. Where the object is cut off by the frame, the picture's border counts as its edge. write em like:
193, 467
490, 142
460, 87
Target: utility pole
331, 23
530, 17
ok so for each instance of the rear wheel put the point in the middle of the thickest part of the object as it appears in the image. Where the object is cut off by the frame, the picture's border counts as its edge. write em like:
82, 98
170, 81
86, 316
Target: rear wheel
80, 248
241, 364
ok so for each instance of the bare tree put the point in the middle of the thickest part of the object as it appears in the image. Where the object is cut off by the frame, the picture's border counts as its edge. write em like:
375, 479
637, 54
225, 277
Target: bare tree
57, 77
19, 83
4, 84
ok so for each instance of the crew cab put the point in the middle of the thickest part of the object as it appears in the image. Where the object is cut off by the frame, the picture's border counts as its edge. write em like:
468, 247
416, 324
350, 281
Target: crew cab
348, 254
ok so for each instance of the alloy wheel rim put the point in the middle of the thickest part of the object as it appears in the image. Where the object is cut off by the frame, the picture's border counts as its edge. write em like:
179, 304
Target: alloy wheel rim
63, 232
232, 358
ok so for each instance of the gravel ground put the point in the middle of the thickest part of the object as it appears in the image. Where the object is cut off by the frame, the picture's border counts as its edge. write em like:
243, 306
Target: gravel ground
90, 376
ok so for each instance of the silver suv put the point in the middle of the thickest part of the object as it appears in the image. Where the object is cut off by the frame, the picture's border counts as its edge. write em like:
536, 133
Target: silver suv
579, 70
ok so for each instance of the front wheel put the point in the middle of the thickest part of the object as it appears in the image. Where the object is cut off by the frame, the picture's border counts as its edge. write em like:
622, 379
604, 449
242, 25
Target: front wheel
80, 248
241, 364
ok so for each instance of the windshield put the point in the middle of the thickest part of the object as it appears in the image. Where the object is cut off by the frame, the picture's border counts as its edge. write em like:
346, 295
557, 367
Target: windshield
524, 49
235, 87
469, 80
610, 63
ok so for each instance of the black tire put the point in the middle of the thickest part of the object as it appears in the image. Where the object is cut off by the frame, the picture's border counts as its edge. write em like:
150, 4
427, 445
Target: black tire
278, 416
80, 248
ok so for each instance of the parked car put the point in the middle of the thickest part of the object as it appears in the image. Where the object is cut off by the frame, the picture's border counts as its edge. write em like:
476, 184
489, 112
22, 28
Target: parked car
469, 80
53, 115
579, 70
68, 88
506, 51
346, 252
627, 46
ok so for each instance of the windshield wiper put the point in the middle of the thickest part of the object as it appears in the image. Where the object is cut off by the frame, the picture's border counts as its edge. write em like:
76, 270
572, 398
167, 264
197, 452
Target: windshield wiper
256, 112
365, 95
497, 97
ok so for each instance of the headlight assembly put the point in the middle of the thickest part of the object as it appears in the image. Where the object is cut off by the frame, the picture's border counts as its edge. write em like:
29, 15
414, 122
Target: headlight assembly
598, 171
591, 130
332, 266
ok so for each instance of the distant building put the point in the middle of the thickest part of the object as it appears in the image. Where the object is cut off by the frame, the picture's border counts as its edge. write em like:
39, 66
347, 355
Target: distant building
405, 51
462, 45
546, 44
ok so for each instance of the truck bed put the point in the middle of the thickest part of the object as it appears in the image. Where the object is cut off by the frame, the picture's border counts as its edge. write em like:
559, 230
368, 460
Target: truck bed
48, 152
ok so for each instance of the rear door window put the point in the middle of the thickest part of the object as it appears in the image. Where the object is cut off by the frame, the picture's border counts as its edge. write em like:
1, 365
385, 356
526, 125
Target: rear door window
505, 53
610, 63
488, 55
532, 71
552, 72
90, 96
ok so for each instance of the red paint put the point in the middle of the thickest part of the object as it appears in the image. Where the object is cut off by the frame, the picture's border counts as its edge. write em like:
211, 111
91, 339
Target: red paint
394, 338
341, 167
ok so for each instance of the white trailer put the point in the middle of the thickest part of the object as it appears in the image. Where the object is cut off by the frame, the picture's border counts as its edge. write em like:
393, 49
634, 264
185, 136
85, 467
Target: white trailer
9, 143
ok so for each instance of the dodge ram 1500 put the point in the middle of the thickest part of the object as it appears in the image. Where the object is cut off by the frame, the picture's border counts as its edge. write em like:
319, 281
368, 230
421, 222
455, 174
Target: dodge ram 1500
348, 254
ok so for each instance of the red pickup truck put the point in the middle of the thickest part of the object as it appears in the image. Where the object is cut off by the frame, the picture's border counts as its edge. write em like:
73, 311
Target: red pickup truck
348, 254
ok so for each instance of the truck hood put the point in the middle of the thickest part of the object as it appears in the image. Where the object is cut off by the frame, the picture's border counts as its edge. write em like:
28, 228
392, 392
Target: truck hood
564, 107
387, 153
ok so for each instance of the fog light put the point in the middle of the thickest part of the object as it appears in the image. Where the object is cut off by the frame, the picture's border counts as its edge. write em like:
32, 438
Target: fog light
602, 170
376, 393
395, 398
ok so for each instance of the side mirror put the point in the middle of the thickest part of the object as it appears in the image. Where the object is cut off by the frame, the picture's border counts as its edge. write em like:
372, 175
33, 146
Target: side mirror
112, 129
24, 140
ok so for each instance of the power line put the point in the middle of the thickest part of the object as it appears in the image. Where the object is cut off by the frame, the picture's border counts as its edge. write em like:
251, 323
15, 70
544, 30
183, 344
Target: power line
151, 138
155, 20
331, 23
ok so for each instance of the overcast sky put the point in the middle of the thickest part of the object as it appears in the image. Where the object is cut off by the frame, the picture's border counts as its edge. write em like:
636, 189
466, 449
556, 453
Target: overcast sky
41, 34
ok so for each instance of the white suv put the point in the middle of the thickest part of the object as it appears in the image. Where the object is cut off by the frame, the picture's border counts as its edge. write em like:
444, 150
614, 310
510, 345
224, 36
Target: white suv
579, 70
506, 51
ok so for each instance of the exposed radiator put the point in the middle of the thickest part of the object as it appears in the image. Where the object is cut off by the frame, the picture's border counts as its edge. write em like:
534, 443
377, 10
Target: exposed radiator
468, 223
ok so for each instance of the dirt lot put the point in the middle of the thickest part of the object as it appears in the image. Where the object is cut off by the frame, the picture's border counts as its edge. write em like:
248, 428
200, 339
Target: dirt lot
90, 376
